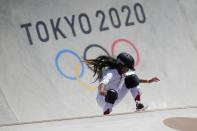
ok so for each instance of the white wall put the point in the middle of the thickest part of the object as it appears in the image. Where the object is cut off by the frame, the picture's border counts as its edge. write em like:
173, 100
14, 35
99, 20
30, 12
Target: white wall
34, 88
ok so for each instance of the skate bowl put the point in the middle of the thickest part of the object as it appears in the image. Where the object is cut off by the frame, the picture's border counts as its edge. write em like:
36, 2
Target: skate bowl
42, 42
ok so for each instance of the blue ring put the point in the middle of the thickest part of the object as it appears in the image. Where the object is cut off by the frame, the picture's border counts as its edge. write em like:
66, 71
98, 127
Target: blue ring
75, 54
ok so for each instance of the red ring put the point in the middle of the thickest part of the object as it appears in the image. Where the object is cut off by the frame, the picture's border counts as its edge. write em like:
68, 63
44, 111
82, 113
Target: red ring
124, 40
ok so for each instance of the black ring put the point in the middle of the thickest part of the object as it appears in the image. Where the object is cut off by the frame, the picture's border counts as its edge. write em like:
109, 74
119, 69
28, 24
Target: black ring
90, 46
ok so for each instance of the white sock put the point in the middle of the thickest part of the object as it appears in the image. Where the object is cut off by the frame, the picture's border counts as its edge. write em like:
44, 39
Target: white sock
137, 102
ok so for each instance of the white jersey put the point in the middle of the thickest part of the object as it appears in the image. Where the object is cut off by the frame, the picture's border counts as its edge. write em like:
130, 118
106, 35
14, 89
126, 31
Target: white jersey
111, 78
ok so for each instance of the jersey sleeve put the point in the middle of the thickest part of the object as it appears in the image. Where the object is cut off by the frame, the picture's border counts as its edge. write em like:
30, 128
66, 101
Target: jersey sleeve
129, 73
106, 78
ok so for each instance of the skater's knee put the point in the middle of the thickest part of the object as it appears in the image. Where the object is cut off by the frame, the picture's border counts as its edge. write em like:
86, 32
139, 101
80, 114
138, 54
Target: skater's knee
111, 97
131, 81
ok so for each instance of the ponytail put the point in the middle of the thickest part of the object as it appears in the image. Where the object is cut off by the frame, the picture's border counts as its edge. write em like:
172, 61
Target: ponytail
101, 63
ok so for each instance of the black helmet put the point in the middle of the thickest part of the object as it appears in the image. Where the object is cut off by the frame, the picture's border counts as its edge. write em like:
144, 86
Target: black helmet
126, 60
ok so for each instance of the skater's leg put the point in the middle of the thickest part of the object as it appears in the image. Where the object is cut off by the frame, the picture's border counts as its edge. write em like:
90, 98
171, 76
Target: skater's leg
107, 107
132, 83
121, 94
100, 100
136, 93
106, 103
137, 98
110, 99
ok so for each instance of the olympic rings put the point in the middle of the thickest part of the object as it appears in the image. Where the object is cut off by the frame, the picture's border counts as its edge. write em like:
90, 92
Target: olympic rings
77, 77
61, 72
124, 40
80, 82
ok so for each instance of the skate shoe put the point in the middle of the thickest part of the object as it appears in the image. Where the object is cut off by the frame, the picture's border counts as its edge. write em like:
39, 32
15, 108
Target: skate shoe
139, 106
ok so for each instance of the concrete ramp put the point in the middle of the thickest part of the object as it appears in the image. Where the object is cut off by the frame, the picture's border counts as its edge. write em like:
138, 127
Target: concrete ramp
170, 119
42, 42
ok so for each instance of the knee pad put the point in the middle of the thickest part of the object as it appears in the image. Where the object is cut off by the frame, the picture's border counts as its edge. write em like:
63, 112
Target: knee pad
131, 81
111, 97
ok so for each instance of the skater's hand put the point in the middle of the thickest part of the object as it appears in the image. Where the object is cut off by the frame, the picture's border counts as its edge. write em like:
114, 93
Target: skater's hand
154, 79
103, 93
101, 89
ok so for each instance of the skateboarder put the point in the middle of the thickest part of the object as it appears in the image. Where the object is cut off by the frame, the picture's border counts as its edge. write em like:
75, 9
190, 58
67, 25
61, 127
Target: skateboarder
115, 80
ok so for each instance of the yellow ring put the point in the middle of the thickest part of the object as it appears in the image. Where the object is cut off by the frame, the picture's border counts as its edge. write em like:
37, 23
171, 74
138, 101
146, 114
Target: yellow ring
80, 82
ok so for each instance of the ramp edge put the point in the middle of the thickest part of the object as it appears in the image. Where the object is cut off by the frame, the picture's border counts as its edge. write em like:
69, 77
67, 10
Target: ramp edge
95, 116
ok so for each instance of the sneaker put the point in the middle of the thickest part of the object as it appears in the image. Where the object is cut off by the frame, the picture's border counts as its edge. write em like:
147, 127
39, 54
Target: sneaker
139, 106
106, 112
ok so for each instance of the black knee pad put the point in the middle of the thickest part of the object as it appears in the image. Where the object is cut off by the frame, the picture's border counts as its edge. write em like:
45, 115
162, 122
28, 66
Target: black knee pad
131, 81
111, 97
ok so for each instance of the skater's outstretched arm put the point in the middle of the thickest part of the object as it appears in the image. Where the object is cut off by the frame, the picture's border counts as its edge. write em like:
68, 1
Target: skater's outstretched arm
154, 79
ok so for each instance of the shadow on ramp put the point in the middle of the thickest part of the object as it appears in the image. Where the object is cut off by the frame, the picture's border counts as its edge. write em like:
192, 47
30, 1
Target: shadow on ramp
181, 123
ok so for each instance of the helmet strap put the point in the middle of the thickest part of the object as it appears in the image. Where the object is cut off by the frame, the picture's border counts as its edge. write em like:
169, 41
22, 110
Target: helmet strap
119, 68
